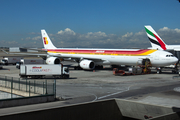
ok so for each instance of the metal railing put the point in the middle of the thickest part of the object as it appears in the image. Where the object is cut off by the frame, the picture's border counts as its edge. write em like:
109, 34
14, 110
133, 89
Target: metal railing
26, 87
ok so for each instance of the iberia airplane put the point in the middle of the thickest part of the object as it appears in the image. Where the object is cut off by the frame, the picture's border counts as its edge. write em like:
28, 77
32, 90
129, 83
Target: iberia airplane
89, 58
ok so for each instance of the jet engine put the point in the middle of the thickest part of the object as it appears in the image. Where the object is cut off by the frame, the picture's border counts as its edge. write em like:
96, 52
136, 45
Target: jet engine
87, 64
53, 60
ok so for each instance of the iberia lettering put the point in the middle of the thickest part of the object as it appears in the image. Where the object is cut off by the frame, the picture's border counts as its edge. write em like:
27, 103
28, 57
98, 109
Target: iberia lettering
36, 67
100, 51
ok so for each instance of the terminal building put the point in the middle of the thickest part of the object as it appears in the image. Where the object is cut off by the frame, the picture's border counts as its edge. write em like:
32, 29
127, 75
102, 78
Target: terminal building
17, 49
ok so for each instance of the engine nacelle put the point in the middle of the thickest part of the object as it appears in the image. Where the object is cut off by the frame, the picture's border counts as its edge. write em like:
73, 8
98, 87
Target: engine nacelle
53, 60
87, 64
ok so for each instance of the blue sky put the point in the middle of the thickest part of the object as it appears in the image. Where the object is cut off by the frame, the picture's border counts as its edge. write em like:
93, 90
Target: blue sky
87, 23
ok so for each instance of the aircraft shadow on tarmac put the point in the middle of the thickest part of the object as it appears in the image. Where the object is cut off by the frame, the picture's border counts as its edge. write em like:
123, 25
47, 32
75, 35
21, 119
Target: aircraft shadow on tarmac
72, 69
5, 69
153, 71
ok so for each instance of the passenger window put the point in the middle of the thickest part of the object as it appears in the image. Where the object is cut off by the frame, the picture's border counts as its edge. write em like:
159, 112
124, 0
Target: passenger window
169, 55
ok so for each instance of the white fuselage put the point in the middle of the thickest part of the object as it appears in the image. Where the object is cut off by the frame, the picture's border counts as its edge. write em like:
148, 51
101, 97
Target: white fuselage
172, 47
157, 58
168, 47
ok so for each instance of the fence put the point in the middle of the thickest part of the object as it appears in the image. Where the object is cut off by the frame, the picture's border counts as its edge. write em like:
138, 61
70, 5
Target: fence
26, 88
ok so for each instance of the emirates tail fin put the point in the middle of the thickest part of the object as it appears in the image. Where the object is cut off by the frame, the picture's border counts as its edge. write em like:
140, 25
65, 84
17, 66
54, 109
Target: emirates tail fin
155, 40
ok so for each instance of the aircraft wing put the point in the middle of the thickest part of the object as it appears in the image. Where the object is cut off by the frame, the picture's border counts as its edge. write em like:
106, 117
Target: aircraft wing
72, 57
26, 54
34, 49
66, 57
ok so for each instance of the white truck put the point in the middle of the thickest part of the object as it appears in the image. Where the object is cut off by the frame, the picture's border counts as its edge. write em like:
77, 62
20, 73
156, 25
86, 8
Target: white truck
10, 60
42, 70
29, 61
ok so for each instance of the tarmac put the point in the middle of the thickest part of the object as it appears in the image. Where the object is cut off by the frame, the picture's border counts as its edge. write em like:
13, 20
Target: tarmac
87, 86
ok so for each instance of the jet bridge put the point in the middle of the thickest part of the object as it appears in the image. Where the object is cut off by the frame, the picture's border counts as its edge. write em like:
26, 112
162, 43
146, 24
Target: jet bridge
176, 53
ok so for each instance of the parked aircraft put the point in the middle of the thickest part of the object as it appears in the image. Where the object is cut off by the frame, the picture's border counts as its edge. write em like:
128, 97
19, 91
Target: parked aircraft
89, 58
157, 42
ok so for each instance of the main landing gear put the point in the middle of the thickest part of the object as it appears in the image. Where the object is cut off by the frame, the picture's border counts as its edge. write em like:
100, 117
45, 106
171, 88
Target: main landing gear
77, 68
159, 71
99, 67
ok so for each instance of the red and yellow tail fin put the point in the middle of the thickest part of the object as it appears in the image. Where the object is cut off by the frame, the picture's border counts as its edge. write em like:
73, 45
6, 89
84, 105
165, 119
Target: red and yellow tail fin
46, 40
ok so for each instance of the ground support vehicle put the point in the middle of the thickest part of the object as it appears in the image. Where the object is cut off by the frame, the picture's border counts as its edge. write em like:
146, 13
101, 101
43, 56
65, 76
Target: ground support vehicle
29, 61
146, 65
142, 67
132, 71
10, 60
42, 70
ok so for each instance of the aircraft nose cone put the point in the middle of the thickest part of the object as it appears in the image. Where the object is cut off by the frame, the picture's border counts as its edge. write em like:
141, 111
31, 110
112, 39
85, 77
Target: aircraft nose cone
175, 59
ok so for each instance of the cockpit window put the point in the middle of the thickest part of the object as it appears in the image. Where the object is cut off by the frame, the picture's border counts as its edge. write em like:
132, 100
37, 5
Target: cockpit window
169, 55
